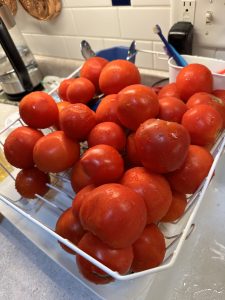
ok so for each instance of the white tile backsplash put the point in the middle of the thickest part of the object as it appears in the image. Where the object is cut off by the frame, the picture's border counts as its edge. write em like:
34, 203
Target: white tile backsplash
150, 2
64, 24
97, 22
47, 45
138, 23
86, 3
160, 61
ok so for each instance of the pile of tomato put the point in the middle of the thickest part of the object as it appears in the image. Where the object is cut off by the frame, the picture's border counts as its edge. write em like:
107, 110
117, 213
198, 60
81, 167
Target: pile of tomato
146, 152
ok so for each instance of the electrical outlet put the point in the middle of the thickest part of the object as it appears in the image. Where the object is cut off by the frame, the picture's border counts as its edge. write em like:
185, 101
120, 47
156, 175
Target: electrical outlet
187, 10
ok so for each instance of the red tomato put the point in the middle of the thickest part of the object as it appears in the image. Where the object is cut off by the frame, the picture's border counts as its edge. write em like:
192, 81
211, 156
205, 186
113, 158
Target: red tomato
220, 94
136, 104
80, 90
209, 99
177, 207
119, 260
115, 214
171, 109
92, 68
103, 164
77, 120
106, 111
149, 249
30, 182
80, 197
203, 123
69, 227
55, 152
62, 90
195, 168
162, 146
118, 74
61, 105
107, 133
79, 178
192, 79
169, 90
153, 188
19, 145
38, 110
132, 158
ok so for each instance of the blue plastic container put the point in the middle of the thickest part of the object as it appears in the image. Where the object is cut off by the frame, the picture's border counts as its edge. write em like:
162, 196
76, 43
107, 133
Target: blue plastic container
120, 52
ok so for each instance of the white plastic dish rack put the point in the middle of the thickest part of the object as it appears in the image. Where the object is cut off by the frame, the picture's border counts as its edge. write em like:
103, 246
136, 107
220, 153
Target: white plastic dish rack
36, 218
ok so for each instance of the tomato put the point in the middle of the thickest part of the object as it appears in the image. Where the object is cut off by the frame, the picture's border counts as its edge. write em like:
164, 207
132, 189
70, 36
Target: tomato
19, 145
195, 168
80, 197
177, 207
153, 188
149, 249
62, 90
132, 157
192, 79
136, 104
80, 90
162, 146
92, 68
171, 109
61, 105
77, 120
107, 133
106, 111
203, 123
169, 90
118, 74
30, 182
115, 214
69, 227
79, 178
220, 94
119, 260
38, 110
103, 164
55, 152
209, 99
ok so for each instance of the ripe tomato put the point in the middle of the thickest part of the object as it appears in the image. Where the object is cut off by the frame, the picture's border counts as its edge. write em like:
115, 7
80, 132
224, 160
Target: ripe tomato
153, 188
220, 94
107, 133
192, 79
77, 120
203, 123
80, 90
131, 156
38, 110
80, 197
162, 146
149, 249
69, 227
79, 178
169, 90
195, 168
115, 214
106, 111
118, 74
19, 145
177, 207
61, 105
171, 109
30, 182
55, 152
209, 99
119, 260
136, 104
103, 164
62, 90
92, 68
